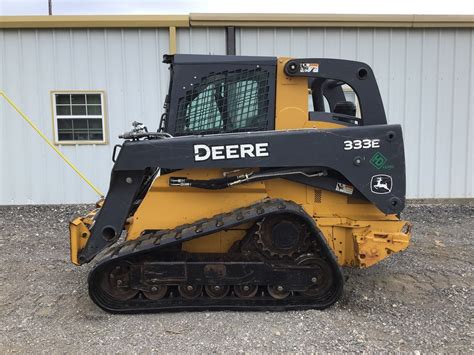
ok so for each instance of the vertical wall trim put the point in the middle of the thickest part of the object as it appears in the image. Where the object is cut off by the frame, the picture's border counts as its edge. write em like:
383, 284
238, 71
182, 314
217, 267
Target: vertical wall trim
172, 34
230, 40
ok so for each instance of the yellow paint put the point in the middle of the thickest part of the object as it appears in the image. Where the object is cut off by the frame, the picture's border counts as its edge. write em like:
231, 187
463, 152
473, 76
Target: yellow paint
375, 244
41, 134
291, 109
78, 236
79, 231
167, 207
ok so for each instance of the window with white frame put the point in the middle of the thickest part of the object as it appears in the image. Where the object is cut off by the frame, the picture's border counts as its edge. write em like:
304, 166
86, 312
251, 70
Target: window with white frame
79, 117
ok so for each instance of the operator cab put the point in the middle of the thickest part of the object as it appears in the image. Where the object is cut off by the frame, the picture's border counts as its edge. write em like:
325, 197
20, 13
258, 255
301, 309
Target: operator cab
211, 94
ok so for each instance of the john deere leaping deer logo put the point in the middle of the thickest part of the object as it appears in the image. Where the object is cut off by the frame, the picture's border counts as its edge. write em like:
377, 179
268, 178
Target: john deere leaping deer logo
381, 184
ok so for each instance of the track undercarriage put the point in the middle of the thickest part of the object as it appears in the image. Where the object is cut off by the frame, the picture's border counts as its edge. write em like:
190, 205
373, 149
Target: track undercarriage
281, 263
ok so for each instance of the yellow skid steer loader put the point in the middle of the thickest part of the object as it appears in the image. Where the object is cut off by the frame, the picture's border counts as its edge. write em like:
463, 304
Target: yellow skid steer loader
263, 179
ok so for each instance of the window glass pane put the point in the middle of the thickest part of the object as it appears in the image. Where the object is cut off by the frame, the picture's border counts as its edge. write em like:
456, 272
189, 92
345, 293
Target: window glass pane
80, 124
81, 136
223, 102
94, 110
78, 99
203, 113
93, 99
65, 136
243, 104
79, 110
63, 99
326, 105
95, 124
64, 124
96, 136
350, 96
63, 110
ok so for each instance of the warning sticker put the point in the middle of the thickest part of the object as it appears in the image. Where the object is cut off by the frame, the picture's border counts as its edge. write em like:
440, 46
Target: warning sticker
309, 67
344, 188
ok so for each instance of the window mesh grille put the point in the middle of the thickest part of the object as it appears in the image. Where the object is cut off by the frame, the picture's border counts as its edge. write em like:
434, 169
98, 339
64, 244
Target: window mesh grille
225, 102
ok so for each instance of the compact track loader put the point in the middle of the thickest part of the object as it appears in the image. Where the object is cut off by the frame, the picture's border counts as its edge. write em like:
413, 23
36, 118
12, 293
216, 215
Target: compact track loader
261, 182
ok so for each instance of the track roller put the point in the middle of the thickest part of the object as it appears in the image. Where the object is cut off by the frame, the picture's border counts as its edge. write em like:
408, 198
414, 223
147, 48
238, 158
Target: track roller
245, 291
190, 291
217, 291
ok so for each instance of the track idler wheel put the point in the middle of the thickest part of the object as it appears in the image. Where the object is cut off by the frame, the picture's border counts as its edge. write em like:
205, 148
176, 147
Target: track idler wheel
245, 291
217, 291
116, 280
190, 291
322, 279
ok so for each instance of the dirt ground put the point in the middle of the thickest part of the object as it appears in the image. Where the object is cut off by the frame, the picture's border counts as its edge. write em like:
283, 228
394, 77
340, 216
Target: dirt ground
419, 300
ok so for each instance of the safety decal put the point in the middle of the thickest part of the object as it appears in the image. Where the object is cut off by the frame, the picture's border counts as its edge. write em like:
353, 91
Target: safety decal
381, 184
379, 161
344, 188
309, 67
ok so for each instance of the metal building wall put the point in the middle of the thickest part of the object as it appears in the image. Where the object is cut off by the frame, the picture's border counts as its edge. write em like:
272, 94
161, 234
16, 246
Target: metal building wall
126, 64
426, 78
200, 40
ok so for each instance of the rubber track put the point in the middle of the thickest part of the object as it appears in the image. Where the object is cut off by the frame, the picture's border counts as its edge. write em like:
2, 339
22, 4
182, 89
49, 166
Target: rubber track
151, 242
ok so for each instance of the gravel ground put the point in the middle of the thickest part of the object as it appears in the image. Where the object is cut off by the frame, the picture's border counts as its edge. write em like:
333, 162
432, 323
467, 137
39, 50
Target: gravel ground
418, 300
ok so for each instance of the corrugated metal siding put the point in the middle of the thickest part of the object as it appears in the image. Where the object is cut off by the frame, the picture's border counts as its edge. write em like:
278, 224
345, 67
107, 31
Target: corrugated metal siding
124, 63
426, 78
200, 40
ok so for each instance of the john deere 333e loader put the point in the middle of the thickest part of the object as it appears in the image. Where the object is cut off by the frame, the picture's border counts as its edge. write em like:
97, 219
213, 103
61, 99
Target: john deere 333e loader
261, 182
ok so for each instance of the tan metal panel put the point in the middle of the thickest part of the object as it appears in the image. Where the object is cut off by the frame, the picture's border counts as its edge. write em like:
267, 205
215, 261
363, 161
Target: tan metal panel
239, 20
329, 20
94, 21
172, 34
